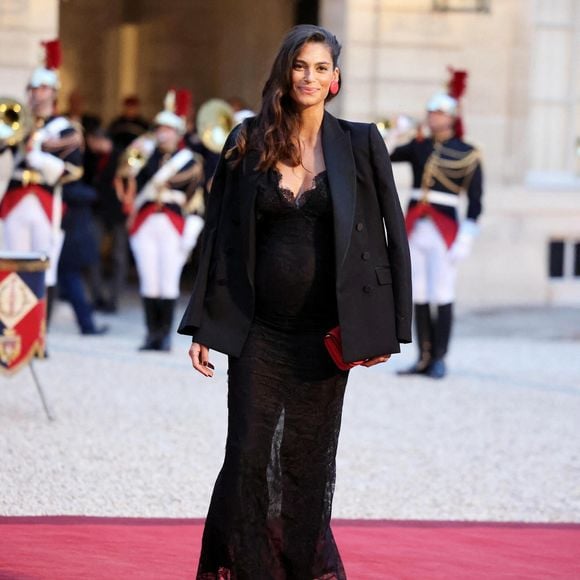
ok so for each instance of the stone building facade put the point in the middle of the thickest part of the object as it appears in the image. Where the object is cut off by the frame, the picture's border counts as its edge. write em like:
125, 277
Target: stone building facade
522, 106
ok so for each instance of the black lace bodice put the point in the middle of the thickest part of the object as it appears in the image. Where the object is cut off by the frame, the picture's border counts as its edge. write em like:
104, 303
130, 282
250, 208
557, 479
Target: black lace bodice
295, 264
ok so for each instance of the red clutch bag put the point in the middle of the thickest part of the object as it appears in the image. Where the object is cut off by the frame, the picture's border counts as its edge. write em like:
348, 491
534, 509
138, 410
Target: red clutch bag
333, 343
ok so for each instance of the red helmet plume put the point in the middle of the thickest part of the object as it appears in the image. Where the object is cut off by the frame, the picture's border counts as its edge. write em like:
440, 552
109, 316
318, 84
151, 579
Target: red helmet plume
183, 100
52, 57
456, 88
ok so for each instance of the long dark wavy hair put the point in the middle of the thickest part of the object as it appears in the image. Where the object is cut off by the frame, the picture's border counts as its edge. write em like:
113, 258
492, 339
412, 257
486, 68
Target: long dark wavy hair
274, 131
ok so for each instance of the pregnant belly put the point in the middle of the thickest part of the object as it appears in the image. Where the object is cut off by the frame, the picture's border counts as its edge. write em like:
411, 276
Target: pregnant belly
295, 288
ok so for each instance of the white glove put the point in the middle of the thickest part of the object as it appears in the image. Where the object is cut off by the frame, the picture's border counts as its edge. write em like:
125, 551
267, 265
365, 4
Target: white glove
50, 166
461, 247
5, 132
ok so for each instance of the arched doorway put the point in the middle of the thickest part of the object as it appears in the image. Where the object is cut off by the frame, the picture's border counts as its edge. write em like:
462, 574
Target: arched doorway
144, 47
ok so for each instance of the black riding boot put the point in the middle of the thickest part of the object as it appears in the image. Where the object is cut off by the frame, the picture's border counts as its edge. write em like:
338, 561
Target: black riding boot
442, 334
424, 328
153, 322
166, 325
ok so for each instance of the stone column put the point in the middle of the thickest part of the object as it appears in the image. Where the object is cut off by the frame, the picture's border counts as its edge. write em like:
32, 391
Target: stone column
23, 25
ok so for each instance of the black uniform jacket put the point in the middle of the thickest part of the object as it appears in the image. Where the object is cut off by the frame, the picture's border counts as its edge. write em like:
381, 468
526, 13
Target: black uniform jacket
418, 152
373, 278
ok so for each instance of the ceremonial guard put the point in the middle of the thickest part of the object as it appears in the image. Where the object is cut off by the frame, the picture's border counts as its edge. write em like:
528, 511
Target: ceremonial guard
444, 166
41, 163
158, 183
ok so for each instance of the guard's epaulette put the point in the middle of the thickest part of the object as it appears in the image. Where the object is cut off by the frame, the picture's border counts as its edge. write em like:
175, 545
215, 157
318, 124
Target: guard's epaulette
453, 167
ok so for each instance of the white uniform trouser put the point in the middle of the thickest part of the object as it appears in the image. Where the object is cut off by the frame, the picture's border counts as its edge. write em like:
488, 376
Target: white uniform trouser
28, 229
433, 271
159, 256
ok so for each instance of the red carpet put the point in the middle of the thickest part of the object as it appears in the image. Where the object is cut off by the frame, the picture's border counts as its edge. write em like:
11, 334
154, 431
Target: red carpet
83, 548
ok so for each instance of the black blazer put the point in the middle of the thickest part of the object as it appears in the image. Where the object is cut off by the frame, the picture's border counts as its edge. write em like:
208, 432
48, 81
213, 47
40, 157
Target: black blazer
373, 278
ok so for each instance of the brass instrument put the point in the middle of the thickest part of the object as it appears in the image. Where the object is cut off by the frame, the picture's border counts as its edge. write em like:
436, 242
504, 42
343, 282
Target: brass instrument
400, 129
16, 121
136, 155
130, 164
215, 120
404, 127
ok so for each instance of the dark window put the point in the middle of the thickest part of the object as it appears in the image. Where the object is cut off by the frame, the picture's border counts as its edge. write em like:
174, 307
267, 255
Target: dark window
556, 264
461, 5
577, 259
306, 12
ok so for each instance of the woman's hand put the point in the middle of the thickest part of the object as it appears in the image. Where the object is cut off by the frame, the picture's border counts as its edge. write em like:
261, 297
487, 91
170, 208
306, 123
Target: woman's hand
376, 360
199, 355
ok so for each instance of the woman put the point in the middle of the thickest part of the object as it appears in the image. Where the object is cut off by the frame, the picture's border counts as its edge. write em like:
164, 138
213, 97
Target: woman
162, 234
294, 245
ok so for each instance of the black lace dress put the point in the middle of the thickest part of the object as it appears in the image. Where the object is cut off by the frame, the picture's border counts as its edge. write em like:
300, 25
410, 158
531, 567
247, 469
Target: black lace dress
269, 517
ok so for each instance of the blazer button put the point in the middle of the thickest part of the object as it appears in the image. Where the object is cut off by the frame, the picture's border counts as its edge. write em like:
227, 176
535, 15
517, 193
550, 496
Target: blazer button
359, 227
365, 255
222, 282
367, 289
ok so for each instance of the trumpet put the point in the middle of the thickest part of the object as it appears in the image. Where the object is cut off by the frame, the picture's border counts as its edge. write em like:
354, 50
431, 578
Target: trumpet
400, 129
16, 122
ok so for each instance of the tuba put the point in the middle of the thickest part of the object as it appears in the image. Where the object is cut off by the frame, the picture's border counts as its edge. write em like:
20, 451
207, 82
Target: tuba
16, 122
215, 120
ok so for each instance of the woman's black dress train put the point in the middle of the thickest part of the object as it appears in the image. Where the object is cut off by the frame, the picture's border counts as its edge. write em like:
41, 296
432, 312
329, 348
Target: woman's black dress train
269, 517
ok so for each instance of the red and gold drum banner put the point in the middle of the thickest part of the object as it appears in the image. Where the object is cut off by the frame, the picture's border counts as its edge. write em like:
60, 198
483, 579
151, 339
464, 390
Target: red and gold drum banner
22, 309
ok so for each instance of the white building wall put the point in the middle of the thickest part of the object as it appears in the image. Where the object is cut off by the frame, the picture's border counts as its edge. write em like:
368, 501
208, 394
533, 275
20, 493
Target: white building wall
555, 94
396, 55
23, 25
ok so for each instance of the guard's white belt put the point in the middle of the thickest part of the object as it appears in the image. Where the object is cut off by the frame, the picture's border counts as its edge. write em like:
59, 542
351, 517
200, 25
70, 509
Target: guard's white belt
437, 197
166, 196
31, 176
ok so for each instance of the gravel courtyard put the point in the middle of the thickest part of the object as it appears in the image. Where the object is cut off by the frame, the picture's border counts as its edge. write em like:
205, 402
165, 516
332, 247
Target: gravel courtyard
139, 434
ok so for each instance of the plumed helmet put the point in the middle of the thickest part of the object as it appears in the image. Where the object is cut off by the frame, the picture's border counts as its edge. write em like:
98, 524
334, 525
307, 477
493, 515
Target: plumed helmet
47, 75
169, 119
443, 102
176, 108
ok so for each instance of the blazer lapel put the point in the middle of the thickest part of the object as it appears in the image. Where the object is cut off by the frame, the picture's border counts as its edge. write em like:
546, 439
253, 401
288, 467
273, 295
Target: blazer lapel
341, 173
248, 186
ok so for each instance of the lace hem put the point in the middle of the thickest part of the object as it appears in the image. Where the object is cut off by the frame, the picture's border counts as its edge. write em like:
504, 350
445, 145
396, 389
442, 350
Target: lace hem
226, 574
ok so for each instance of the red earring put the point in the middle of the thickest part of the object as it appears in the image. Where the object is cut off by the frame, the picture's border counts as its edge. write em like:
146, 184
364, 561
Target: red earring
334, 87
